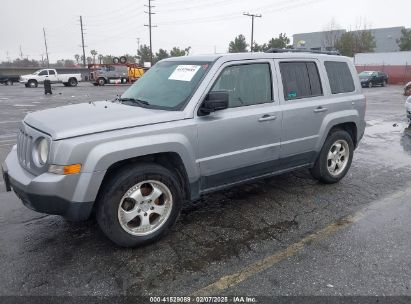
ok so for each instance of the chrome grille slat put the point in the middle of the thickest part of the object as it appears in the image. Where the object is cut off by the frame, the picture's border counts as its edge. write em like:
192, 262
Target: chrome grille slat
26, 138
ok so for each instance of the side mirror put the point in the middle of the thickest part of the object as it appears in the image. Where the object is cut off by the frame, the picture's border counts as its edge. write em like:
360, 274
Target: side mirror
215, 101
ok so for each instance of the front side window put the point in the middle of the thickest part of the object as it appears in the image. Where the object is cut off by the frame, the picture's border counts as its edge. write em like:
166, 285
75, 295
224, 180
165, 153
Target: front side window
167, 85
246, 84
300, 80
340, 77
43, 73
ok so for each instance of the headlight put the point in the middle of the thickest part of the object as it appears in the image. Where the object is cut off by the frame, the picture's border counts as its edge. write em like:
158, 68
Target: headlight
41, 151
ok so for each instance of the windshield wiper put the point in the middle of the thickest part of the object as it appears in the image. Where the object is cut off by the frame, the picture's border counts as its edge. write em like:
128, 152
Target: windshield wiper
140, 102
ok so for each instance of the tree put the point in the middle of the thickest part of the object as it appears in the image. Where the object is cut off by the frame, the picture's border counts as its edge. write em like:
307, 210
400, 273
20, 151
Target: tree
100, 58
239, 45
93, 53
177, 52
332, 33
144, 54
161, 54
260, 47
77, 57
281, 42
89, 60
353, 42
405, 41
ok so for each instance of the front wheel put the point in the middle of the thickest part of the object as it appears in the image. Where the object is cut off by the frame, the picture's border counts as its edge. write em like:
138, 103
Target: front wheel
384, 83
33, 84
9, 82
370, 84
139, 204
335, 158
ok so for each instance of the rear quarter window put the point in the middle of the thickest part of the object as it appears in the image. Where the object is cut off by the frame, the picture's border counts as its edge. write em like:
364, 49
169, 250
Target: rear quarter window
340, 77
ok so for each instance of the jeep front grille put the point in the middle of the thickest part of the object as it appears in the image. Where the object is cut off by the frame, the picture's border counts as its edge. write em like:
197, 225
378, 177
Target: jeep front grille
24, 148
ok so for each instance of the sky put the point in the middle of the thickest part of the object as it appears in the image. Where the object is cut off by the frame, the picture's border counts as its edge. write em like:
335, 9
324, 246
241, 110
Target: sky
112, 27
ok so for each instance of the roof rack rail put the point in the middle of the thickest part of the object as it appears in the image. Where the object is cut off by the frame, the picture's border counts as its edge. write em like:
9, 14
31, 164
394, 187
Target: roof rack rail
274, 50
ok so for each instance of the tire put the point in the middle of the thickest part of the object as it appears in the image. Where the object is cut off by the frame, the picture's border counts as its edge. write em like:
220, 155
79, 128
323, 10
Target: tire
9, 82
324, 163
116, 60
140, 181
32, 83
370, 84
123, 59
72, 82
101, 81
384, 83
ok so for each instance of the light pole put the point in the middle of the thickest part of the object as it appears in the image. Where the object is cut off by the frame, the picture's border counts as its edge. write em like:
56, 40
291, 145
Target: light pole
252, 27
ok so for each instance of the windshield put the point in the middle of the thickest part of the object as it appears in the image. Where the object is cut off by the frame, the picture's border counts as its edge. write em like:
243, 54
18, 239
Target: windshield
366, 74
168, 85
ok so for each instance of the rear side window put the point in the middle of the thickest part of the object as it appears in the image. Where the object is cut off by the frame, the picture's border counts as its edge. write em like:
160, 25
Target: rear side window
300, 80
51, 72
339, 76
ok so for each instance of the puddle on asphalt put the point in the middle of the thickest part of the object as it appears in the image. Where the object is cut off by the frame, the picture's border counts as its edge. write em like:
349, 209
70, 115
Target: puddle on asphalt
386, 144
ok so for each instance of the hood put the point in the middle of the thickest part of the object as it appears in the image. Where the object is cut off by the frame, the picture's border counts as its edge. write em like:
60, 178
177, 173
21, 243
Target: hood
89, 118
26, 76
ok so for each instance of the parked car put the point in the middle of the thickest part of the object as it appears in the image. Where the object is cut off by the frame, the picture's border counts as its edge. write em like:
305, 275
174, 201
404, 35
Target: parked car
408, 107
121, 73
407, 89
9, 79
190, 126
373, 78
33, 80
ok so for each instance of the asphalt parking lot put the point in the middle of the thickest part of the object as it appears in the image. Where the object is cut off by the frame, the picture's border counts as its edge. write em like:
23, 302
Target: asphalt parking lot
287, 235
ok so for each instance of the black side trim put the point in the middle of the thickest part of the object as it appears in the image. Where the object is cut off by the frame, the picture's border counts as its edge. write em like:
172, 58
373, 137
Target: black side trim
262, 170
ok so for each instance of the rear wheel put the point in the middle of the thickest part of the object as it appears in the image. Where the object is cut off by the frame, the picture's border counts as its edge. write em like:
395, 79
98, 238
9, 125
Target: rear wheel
9, 82
72, 82
139, 204
384, 83
335, 158
101, 81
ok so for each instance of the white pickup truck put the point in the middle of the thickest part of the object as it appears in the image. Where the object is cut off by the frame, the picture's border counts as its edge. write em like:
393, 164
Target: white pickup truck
33, 80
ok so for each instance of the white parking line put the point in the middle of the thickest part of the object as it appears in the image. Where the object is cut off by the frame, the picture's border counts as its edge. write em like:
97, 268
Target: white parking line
9, 121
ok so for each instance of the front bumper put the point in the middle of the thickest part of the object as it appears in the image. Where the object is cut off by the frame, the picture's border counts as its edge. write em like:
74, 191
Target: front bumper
46, 193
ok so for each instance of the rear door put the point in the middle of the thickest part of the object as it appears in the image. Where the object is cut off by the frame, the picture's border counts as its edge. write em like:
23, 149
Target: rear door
243, 141
52, 76
304, 108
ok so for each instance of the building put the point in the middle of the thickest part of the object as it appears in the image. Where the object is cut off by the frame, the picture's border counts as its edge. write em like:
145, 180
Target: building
385, 39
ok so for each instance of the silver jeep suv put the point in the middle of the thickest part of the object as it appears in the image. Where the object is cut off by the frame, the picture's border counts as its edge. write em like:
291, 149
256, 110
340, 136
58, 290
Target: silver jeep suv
192, 125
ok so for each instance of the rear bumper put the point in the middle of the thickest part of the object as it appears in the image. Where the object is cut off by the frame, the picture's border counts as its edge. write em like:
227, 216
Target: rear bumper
44, 193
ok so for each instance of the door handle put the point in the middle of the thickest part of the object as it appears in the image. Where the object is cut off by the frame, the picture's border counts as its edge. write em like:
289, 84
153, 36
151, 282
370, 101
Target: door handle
320, 109
267, 117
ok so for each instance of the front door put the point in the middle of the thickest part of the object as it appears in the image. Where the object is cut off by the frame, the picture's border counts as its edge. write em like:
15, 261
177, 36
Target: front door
43, 75
243, 141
